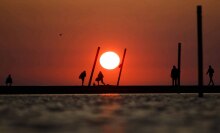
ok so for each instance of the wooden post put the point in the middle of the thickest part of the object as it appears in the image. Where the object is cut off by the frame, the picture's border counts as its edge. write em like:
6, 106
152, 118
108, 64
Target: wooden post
179, 62
121, 66
200, 50
93, 68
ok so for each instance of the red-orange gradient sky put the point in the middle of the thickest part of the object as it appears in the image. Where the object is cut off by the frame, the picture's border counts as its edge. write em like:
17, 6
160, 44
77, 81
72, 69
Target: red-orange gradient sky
34, 53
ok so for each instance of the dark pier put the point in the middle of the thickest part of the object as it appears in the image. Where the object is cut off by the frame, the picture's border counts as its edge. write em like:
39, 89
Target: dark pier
105, 89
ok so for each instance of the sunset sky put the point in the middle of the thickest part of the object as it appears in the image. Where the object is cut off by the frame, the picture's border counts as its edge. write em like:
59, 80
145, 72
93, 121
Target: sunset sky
32, 51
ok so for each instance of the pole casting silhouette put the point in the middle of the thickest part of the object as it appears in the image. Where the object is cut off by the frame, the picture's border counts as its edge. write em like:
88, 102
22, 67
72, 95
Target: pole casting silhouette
200, 50
121, 66
179, 62
93, 68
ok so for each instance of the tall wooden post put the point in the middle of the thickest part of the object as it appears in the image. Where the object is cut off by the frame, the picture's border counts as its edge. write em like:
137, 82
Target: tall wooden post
200, 50
121, 66
179, 62
93, 68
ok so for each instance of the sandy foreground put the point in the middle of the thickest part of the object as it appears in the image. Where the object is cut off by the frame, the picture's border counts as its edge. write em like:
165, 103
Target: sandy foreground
110, 113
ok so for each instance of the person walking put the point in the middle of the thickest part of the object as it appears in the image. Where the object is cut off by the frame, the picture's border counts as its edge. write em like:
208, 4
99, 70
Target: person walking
210, 72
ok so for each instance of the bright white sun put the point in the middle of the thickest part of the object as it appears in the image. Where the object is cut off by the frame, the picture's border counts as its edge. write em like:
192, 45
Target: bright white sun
109, 60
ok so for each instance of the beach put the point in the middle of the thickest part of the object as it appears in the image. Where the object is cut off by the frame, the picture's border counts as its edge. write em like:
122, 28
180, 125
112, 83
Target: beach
107, 113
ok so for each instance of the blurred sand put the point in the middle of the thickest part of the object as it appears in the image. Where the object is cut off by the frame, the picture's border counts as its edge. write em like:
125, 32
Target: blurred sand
110, 113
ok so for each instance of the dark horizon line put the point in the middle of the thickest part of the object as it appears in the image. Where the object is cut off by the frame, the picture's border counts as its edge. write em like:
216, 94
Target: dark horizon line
105, 89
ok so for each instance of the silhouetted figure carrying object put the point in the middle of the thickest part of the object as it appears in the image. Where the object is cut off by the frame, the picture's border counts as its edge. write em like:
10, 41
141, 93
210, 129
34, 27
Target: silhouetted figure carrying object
8, 80
82, 77
210, 72
100, 78
174, 75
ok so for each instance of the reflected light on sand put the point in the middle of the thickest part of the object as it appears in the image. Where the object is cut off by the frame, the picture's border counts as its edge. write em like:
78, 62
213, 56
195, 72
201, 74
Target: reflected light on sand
110, 95
109, 111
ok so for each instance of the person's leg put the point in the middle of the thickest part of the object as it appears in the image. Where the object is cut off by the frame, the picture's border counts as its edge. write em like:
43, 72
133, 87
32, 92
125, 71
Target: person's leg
212, 81
82, 82
102, 82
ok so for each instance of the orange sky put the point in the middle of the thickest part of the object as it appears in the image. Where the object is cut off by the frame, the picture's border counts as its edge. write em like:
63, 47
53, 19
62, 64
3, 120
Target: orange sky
34, 53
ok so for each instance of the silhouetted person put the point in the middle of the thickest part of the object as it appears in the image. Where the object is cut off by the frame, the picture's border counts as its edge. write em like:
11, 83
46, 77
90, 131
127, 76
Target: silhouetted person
82, 77
100, 78
8, 80
210, 72
174, 75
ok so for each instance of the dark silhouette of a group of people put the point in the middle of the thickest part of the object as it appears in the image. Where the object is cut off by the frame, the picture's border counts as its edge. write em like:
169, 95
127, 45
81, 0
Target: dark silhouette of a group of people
99, 78
175, 75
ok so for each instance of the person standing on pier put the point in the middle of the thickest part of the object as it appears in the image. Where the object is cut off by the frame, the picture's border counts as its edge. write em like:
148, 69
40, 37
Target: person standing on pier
8, 80
174, 75
100, 78
82, 77
210, 72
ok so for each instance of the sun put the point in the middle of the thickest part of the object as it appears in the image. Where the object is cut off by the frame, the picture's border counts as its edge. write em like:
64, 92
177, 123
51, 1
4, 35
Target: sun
109, 60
